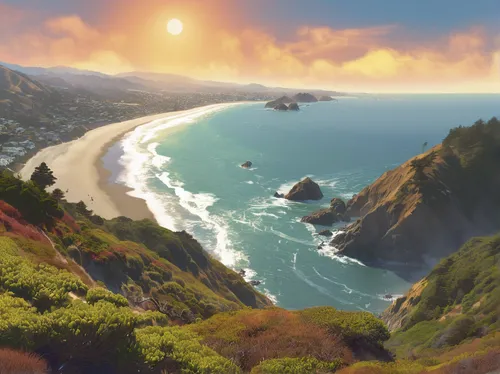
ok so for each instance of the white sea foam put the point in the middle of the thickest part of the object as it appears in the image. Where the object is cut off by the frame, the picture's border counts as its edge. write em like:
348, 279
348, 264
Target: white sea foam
290, 238
345, 288
249, 182
327, 182
140, 153
294, 261
270, 296
265, 214
331, 252
198, 204
319, 288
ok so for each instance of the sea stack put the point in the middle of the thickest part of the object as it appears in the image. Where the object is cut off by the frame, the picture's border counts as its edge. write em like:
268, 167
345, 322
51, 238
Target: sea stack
303, 97
293, 106
326, 98
282, 100
306, 189
247, 165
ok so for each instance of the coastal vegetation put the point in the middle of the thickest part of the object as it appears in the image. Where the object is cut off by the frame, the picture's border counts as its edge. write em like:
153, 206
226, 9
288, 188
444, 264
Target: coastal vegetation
82, 294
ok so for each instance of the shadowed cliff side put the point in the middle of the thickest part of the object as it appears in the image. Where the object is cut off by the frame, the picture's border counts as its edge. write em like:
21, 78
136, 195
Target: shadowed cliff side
429, 206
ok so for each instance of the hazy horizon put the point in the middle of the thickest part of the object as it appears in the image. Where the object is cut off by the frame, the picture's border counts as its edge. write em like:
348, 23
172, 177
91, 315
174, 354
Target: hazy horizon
355, 47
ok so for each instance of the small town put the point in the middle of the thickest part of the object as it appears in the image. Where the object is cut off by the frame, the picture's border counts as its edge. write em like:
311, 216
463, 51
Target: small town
22, 135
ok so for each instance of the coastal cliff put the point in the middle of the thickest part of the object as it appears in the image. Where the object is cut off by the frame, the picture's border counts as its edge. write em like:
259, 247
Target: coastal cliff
426, 208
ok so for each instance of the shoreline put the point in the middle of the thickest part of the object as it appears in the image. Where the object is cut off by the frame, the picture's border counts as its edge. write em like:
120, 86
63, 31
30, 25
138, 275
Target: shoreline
81, 174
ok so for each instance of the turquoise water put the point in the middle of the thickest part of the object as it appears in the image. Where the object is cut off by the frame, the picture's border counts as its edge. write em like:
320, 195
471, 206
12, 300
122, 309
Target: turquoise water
191, 180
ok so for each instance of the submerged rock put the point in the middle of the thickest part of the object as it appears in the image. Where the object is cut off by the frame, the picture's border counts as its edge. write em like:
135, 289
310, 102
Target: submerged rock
306, 189
278, 195
293, 106
255, 282
246, 165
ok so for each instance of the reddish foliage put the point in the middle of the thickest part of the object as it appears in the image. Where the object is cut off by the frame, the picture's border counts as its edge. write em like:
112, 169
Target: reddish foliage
160, 265
9, 210
103, 256
14, 226
277, 334
14, 362
70, 222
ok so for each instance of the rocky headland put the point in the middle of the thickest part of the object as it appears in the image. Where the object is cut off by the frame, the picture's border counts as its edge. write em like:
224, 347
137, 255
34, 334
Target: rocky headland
426, 208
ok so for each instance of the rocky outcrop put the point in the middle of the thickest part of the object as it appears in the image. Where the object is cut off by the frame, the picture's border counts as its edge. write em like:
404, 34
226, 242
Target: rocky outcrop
338, 206
282, 100
306, 189
325, 233
246, 165
279, 195
326, 98
398, 313
303, 97
293, 106
281, 107
324, 217
422, 211
336, 212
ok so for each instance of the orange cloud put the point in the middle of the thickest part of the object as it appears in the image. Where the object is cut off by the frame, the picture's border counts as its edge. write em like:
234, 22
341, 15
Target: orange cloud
360, 59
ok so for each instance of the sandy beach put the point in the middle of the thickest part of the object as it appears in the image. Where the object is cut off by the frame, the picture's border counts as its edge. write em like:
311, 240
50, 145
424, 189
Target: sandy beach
80, 174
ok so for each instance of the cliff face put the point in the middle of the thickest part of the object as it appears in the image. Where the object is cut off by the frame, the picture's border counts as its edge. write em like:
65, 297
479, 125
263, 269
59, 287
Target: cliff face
429, 206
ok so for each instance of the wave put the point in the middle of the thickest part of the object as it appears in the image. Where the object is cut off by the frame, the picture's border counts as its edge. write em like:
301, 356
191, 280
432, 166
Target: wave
331, 252
286, 187
320, 289
270, 296
265, 214
142, 163
290, 238
346, 289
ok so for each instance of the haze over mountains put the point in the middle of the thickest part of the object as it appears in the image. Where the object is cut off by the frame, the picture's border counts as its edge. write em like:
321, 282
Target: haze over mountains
67, 77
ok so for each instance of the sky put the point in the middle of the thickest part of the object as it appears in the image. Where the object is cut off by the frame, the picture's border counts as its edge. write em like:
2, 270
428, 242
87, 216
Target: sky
355, 45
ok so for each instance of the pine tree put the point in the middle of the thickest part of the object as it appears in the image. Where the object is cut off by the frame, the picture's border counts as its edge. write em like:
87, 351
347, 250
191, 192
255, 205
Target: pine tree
58, 194
43, 176
81, 208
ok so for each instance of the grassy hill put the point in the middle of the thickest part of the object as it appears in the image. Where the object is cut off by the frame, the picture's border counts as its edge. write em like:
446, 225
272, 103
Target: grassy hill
19, 93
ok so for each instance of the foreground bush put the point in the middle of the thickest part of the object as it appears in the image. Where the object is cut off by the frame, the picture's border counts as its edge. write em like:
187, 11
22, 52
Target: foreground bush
15, 362
250, 336
43, 285
96, 294
303, 365
175, 349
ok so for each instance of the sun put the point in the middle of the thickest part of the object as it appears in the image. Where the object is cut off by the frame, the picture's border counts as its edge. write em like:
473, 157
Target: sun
174, 26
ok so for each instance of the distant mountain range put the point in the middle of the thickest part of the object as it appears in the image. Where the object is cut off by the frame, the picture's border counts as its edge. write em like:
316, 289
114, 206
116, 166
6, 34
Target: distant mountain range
66, 77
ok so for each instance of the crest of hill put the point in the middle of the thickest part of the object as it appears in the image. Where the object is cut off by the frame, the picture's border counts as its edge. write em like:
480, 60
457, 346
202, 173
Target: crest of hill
18, 92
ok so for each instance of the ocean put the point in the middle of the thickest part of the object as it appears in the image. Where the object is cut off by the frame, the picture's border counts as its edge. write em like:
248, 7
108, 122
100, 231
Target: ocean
192, 180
